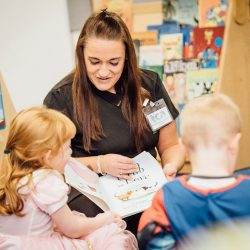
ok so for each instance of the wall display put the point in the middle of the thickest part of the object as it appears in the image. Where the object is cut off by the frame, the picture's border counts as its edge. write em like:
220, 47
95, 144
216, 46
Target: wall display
175, 78
149, 37
123, 7
212, 13
201, 82
166, 28
207, 45
146, 13
186, 12
2, 116
172, 46
151, 57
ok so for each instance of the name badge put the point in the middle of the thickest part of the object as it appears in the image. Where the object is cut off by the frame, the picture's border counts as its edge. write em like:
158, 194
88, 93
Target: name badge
157, 114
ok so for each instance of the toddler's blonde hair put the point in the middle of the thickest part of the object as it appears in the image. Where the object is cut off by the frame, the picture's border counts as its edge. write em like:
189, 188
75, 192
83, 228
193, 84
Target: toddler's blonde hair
33, 132
209, 120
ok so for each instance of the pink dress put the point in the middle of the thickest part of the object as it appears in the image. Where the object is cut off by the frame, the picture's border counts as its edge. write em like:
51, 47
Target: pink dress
35, 231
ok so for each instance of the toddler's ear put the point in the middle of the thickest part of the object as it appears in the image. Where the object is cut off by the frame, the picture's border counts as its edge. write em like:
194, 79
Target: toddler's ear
183, 146
46, 158
234, 143
233, 149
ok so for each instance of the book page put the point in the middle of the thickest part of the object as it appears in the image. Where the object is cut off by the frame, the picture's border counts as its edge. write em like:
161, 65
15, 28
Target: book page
85, 181
127, 197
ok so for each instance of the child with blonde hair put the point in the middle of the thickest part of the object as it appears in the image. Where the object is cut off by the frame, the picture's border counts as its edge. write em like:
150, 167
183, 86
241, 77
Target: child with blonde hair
33, 195
210, 132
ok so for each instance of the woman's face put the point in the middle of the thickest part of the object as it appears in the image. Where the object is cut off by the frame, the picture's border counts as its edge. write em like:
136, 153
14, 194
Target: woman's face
104, 61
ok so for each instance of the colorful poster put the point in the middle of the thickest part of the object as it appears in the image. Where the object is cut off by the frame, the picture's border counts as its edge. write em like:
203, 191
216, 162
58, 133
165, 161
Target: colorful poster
2, 117
175, 79
207, 45
201, 82
150, 55
151, 58
212, 13
172, 46
186, 12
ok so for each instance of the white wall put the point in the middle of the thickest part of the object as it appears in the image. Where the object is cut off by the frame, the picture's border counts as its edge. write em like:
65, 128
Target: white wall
35, 48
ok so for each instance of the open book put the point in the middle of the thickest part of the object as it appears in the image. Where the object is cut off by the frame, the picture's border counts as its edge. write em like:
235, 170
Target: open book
125, 197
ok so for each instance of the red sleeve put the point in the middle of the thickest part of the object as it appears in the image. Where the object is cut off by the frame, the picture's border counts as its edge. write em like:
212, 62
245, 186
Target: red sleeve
156, 213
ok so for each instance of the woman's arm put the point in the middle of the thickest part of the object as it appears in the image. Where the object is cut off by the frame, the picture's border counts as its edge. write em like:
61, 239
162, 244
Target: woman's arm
75, 225
171, 153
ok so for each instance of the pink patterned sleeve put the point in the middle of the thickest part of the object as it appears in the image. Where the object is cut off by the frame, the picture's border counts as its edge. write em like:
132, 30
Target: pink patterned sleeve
50, 194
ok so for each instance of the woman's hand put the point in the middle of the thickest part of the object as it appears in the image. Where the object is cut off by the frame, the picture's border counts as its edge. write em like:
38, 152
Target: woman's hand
118, 165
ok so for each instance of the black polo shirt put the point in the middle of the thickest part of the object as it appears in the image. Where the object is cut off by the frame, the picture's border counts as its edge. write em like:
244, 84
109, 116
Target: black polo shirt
118, 139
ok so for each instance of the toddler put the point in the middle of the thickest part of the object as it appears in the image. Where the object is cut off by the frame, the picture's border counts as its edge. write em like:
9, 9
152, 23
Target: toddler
33, 195
210, 132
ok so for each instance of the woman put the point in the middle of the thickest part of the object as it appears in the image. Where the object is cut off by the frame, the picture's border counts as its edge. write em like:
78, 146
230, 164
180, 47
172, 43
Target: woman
106, 96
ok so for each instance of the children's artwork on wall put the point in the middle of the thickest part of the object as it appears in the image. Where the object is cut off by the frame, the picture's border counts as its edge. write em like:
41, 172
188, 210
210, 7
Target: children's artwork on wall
207, 45
151, 58
201, 82
172, 46
175, 78
2, 117
212, 13
186, 12
150, 55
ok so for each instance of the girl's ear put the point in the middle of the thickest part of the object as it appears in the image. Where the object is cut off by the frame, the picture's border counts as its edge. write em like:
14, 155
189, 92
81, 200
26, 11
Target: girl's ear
47, 157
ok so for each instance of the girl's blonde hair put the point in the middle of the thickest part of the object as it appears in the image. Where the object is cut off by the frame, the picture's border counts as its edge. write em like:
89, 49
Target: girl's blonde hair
33, 132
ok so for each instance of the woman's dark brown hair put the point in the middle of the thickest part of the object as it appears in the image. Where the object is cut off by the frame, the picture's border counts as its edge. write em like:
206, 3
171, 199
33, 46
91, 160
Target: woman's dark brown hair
110, 26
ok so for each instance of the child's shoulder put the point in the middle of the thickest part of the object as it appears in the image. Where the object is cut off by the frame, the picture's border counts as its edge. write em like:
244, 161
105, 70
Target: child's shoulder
39, 176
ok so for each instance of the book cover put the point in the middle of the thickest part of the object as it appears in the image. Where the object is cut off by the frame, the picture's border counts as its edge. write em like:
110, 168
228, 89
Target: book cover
179, 66
207, 45
151, 58
149, 37
122, 7
186, 12
170, 27
201, 82
172, 46
150, 55
175, 79
212, 13
2, 116
146, 13
125, 197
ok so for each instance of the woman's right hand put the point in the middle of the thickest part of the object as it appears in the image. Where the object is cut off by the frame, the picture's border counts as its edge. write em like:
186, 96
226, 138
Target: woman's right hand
118, 165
